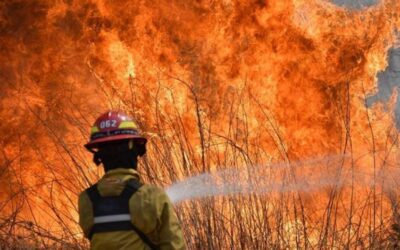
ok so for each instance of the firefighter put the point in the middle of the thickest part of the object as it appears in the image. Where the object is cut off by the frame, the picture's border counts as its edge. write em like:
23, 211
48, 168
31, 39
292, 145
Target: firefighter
120, 212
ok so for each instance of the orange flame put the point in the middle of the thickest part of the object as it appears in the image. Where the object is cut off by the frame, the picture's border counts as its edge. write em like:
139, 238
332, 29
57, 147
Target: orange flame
215, 84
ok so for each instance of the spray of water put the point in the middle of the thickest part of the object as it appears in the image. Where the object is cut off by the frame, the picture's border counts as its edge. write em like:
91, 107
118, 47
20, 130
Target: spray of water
303, 176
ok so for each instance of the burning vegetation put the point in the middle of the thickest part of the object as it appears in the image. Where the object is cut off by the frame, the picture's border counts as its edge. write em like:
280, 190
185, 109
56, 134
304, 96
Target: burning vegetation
257, 87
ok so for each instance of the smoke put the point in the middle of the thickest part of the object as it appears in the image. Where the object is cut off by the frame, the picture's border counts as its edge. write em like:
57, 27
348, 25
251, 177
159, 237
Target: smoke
355, 4
388, 84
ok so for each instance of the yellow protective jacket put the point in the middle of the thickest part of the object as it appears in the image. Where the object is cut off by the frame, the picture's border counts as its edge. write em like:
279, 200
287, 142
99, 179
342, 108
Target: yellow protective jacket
151, 212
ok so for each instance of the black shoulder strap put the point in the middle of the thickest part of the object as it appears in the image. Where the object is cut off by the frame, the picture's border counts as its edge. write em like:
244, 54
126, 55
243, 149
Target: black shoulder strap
132, 186
93, 194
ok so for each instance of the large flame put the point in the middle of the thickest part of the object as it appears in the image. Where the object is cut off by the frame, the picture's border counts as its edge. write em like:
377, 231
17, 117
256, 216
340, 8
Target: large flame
215, 84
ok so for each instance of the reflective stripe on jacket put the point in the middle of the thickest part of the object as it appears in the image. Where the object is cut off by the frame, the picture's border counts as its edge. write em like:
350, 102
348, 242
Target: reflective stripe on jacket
151, 212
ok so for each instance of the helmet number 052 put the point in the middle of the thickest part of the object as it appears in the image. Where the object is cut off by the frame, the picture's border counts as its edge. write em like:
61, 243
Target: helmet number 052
108, 124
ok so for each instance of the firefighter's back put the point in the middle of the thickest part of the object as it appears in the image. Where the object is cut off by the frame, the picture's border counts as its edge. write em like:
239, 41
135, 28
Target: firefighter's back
150, 213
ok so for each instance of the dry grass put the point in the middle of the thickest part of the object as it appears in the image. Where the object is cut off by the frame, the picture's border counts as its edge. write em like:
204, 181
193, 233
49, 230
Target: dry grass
43, 215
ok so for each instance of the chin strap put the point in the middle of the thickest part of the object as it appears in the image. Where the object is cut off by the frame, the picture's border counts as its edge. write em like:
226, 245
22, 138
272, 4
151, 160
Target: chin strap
138, 149
96, 158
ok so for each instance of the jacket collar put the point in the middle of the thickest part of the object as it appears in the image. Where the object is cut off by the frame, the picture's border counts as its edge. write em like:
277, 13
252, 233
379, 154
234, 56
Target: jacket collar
120, 172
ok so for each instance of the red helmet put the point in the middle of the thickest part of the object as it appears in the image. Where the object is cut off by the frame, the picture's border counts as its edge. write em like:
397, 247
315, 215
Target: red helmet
113, 126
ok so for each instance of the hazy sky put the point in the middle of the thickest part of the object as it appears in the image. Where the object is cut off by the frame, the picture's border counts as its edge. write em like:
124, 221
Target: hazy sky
358, 4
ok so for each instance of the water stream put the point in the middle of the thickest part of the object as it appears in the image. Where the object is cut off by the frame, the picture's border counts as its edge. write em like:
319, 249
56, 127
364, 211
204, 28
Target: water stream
310, 175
